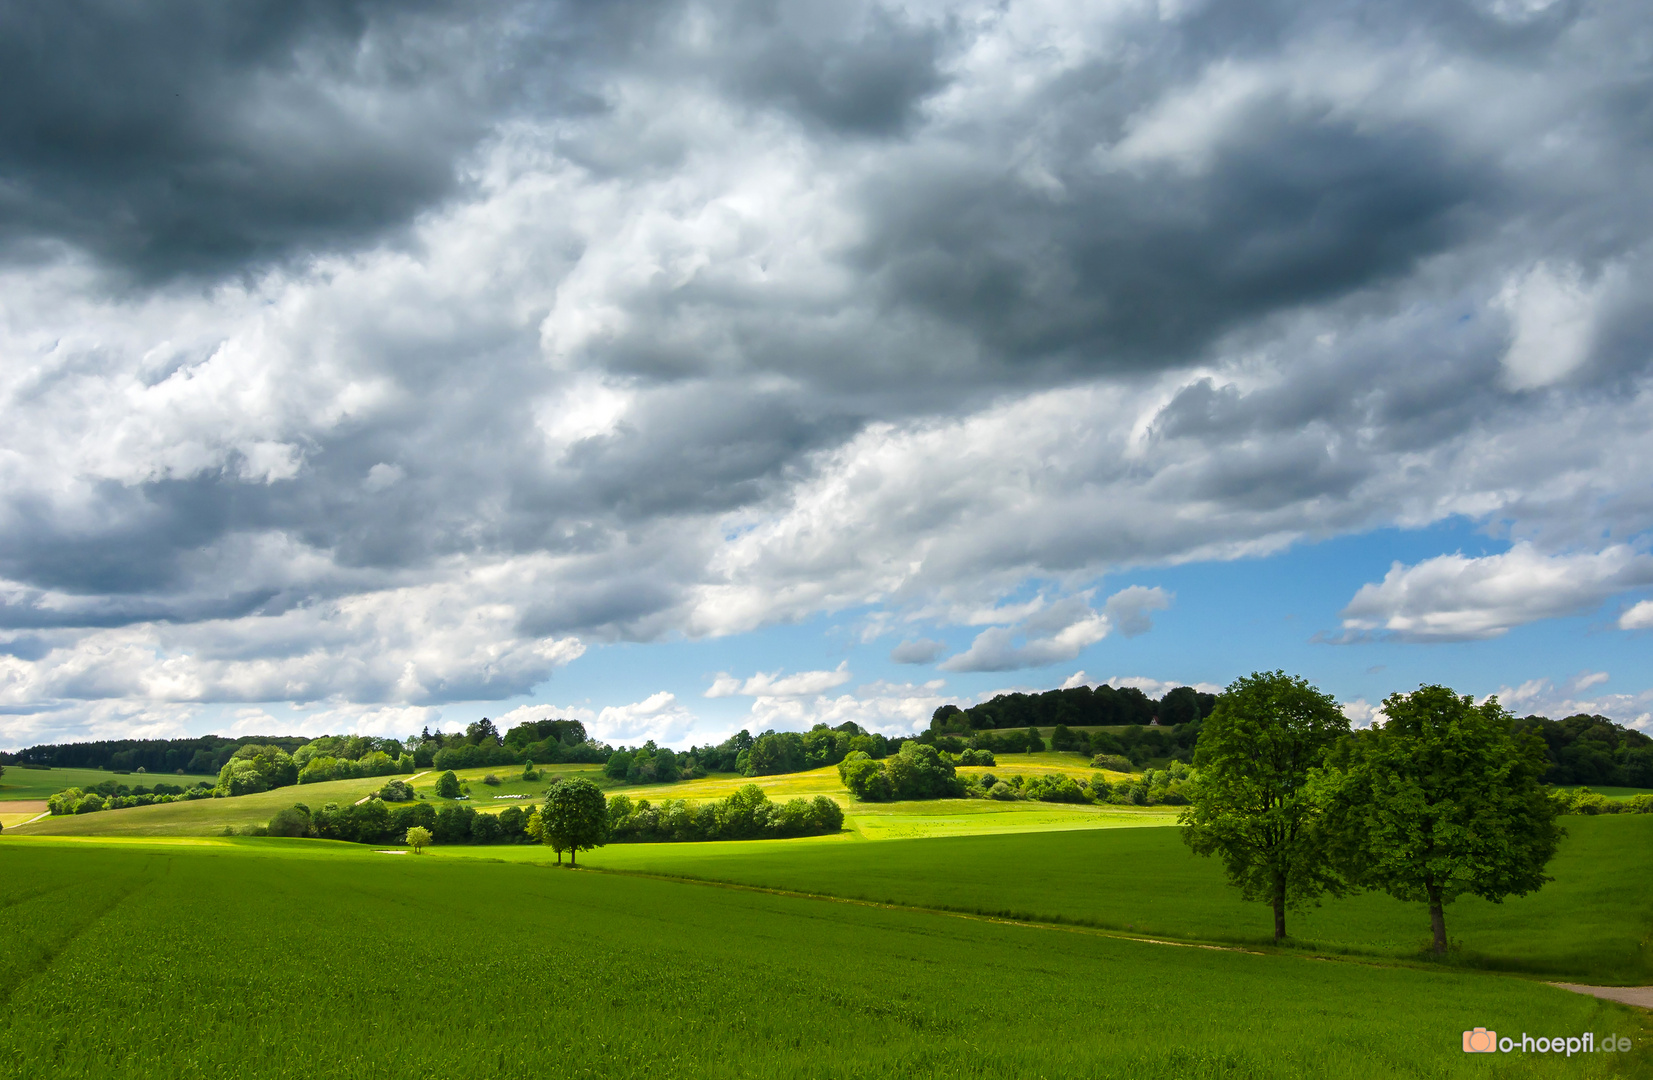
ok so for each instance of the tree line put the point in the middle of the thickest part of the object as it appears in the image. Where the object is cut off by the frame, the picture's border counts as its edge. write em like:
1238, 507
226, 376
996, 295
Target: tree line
1078, 706
746, 814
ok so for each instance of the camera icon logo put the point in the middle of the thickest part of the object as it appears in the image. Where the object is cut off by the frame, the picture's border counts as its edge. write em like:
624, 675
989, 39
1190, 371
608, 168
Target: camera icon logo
1480, 1041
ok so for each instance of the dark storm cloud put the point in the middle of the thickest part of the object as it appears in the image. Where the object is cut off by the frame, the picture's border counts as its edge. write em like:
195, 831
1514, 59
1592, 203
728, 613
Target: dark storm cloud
186, 137
868, 80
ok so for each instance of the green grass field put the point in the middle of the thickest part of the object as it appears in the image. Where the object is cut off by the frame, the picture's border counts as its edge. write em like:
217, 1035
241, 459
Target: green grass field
18, 783
273, 959
1594, 923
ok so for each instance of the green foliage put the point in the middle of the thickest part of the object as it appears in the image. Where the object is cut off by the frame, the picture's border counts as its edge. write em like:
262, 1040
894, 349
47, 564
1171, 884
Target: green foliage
1253, 807
1054, 788
1443, 799
1113, 762
776, 752
110, 795
418, 838
746, 814
397, 791
916, 771
864, 777
447, 785
1586, 749
575, 818
293, 821
255, 768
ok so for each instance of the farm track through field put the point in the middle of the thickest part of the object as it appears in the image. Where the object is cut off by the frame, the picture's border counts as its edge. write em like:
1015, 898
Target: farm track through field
955, 913
409, 780
1639, 996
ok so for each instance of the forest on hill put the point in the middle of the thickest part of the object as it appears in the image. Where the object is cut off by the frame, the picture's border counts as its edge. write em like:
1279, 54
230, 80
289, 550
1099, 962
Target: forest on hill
1582, 749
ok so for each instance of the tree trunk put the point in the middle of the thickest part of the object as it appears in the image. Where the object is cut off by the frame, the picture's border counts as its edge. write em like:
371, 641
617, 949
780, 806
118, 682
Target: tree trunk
573, 856
1279, 909
1437, 920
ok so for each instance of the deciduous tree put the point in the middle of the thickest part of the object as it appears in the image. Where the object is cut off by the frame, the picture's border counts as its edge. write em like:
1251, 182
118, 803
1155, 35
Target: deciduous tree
575, 818
1251, 804
1442, 799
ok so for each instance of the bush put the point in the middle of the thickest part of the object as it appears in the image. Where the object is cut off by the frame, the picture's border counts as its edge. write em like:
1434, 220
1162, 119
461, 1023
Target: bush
1002, 791
397, 791
293, 821
447, 785
1111, 762
748, 814
1054, 788
491, 780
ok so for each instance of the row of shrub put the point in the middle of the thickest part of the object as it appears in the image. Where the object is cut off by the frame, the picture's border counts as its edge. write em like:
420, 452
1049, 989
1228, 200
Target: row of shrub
1585, 801
376, 822
1156, 787
747, 814
112, 796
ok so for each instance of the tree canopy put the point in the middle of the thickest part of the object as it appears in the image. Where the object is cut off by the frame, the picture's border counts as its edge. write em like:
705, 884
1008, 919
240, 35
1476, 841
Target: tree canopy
1251, 805
1442, 799
575, 818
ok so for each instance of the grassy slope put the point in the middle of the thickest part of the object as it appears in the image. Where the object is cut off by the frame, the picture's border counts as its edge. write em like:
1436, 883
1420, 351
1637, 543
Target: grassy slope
278, 959
44, 783
202, 817
1593, 922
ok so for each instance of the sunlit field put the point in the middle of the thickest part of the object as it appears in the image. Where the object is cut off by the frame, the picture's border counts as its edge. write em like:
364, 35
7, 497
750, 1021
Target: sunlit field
270, 958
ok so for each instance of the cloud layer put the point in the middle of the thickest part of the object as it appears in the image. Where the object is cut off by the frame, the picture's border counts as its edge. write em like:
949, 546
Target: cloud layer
394, 354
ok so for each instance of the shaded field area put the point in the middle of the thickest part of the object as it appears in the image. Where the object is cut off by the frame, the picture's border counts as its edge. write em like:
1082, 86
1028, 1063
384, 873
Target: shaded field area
1593, 923
269, 958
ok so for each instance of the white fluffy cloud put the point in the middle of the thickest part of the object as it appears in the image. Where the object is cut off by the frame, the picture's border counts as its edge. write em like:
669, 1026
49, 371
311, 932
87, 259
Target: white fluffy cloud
1059, 631
775, 685
1545, 697
1454, 597
884, 707
1638, 616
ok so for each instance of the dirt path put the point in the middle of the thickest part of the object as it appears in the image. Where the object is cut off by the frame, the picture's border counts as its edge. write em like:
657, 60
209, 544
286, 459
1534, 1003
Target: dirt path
409, 780
1639, 996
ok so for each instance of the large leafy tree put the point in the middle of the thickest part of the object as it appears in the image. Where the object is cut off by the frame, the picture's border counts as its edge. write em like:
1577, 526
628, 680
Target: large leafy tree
575, 818
1442, 799
1252, 804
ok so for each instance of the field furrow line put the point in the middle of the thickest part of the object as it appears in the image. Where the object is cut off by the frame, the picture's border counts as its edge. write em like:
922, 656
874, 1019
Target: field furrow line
973, 916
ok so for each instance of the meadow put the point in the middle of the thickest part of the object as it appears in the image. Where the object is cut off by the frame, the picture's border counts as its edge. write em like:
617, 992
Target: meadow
34, 784
1592, 924
270, 958
201, 817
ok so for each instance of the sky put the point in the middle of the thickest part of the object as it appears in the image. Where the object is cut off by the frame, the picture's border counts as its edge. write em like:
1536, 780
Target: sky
684, 367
